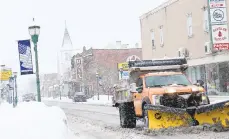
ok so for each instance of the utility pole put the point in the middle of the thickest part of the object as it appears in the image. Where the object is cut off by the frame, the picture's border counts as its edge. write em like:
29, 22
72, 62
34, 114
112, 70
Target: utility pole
209, 23
15, 84
97, 78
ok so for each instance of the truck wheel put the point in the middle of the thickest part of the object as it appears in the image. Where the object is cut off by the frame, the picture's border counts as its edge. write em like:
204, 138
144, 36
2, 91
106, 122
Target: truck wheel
127, 115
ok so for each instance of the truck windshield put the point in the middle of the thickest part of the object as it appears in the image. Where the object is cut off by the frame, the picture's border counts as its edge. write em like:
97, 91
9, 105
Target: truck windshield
165, 80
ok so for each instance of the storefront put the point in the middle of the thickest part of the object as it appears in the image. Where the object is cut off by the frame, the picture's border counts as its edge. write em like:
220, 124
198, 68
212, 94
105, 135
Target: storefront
215, 76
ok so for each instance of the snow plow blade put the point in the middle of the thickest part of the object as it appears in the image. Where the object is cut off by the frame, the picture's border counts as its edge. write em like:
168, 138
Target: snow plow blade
213, 114
166, 117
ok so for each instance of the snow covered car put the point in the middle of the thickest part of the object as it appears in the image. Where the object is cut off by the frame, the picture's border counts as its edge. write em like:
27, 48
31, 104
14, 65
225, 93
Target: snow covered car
79, 97
28, 97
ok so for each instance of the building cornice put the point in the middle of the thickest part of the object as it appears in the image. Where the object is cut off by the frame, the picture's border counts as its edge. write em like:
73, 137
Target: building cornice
155, 10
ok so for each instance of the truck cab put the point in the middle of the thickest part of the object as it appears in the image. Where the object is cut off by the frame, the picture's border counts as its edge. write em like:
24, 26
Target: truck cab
168, 88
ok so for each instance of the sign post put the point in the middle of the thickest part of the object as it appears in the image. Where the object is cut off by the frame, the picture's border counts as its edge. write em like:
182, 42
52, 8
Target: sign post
218, 24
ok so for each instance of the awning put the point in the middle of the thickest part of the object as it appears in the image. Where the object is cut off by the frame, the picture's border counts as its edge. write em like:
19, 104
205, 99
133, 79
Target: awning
209, 59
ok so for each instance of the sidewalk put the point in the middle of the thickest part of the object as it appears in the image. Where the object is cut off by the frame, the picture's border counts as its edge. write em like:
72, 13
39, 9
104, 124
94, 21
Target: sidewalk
215, 99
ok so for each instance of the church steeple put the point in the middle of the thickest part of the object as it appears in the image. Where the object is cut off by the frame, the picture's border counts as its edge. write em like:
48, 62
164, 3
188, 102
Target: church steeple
67, 42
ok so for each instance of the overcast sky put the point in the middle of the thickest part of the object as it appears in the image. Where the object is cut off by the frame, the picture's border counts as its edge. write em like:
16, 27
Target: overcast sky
90, 22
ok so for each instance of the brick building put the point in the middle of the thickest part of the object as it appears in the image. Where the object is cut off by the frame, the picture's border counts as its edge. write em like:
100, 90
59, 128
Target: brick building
96, 69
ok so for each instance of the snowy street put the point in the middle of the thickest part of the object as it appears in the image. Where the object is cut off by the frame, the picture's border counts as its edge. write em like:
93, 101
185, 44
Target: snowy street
100, 122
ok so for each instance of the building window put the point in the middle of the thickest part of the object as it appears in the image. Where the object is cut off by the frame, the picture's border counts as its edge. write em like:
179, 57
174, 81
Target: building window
189, 25
206, 21
179, 53
161, 36
153, 39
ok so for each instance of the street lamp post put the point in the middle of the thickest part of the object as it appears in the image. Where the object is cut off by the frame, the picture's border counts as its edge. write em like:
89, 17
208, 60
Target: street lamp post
34, 31
97, 78
15, 85
121, 72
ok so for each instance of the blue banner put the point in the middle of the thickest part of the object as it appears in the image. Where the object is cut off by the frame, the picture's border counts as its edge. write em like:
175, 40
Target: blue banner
25, 57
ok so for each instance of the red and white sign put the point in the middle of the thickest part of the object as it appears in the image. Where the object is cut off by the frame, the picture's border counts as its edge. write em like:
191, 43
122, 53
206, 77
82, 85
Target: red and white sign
217, 3
220, 37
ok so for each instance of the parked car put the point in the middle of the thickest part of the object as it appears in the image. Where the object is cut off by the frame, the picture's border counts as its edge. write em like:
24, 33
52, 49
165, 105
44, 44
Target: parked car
80, 97
29, 97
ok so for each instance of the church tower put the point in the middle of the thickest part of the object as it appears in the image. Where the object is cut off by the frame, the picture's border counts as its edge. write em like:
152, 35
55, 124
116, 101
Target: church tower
65, 55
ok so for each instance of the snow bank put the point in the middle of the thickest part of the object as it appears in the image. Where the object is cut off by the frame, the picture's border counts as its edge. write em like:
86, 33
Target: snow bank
103, 100
33, 120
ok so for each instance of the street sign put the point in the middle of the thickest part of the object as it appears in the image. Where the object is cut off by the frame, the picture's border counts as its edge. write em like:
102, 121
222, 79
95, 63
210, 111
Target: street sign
125, 75
220, 37
217, 3
5, 74
218, 15
123, 65
219, 30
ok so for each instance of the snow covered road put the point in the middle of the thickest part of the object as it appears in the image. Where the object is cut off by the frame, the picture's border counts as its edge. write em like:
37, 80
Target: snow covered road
102, 122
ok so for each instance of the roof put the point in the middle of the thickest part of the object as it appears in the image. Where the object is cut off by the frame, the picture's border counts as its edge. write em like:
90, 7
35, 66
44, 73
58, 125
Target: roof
114, 56
155, 10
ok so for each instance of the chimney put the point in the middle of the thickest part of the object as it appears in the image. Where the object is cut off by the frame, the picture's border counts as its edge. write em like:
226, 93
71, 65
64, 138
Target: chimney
84, 48
118, 44
136, 45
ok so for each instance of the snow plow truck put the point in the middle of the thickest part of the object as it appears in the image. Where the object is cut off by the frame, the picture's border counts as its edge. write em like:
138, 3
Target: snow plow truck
159, 93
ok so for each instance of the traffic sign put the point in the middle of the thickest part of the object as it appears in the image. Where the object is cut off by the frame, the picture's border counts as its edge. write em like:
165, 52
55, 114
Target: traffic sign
123, 65
217, 3
220, 37
218, 15
5, 74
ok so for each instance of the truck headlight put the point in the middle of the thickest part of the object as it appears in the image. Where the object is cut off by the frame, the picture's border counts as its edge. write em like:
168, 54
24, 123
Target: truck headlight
197, 89
156, 99
203, 97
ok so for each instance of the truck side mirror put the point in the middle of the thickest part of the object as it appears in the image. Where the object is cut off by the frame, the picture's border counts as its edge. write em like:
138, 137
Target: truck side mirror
139, 89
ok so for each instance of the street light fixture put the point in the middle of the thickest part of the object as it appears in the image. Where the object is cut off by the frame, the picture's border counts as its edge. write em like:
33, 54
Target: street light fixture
34, 31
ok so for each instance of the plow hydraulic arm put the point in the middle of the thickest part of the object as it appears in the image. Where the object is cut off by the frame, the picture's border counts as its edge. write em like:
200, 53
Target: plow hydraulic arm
206, 115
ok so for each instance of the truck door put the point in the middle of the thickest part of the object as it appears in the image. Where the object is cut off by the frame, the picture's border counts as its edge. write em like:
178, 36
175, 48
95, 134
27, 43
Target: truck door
138, 98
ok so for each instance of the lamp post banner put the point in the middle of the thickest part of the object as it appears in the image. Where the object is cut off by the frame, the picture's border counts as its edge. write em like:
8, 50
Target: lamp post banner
25, 57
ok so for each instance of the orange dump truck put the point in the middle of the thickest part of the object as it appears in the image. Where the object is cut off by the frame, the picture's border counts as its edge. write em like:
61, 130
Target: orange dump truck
159, 92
